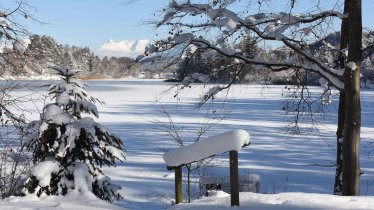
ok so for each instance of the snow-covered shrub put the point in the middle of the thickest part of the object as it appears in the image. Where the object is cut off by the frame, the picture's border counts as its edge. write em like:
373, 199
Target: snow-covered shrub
69, 148
14, 160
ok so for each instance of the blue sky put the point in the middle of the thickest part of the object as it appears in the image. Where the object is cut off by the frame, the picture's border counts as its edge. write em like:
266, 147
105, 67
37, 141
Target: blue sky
93, 22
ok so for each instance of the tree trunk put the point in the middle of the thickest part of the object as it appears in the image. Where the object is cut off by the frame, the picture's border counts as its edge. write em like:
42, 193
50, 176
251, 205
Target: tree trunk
338, 185
352, 123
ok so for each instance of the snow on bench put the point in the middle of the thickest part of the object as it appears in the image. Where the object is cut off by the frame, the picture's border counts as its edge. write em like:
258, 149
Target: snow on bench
225, 142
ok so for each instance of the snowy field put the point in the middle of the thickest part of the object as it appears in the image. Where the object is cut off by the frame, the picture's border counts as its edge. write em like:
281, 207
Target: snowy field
135, 111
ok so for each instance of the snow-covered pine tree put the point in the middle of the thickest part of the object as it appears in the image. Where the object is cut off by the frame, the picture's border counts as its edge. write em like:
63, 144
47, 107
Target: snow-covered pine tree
68, 148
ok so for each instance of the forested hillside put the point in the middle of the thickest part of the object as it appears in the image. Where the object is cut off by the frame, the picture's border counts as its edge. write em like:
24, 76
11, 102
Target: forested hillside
44, 51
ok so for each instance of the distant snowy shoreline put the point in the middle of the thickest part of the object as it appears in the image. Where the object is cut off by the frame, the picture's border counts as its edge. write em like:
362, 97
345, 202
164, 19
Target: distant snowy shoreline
54, 77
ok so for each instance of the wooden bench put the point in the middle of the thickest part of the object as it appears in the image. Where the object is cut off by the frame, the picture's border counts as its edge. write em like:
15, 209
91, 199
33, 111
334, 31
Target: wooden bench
231, 142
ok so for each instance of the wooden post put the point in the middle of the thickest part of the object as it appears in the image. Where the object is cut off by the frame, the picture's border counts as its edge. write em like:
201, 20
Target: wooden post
178, 185
234, 178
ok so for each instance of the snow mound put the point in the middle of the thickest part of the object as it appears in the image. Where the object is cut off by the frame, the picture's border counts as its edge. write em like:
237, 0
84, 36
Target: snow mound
43, 171
282, 201
56, 115
218, 194
72, 201
82, 178
228, 141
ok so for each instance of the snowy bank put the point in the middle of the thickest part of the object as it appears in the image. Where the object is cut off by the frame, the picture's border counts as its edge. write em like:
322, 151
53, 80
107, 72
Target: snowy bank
215, 145
30, 77
282, 201
72, 201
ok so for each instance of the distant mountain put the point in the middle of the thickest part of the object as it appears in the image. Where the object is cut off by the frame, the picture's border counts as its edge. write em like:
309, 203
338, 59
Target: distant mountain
124, 48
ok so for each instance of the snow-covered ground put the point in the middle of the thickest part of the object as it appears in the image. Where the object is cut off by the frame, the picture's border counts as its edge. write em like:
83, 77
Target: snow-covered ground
285, 163
282, 201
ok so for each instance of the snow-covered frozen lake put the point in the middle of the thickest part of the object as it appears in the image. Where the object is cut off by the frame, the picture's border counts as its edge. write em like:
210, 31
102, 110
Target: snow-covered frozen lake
135, 110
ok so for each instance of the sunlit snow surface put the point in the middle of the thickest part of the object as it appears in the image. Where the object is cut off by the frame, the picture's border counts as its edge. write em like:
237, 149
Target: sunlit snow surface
284, 162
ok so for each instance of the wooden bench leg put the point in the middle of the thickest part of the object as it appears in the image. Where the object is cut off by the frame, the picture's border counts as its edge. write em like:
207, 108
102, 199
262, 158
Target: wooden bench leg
234, 176
178, 185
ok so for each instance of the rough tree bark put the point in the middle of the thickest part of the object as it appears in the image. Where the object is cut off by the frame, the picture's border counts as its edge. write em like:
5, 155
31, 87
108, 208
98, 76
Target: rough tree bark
352, 122
338, 185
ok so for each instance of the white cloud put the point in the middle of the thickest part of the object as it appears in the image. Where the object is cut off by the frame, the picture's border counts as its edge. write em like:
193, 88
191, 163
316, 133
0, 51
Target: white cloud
124, 48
